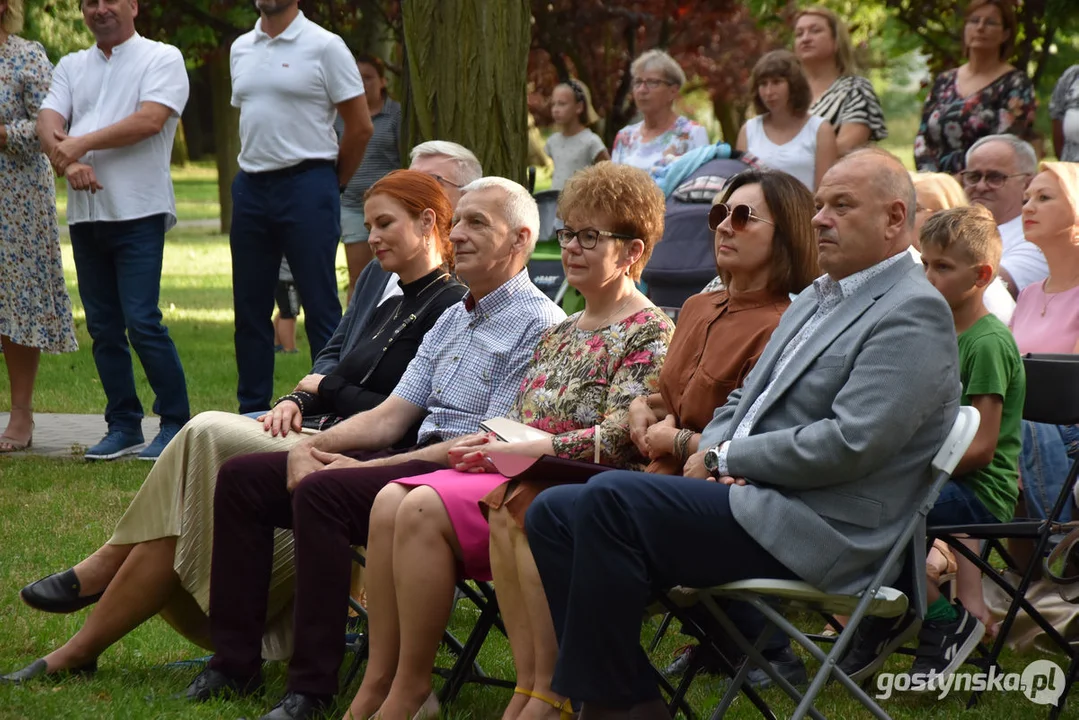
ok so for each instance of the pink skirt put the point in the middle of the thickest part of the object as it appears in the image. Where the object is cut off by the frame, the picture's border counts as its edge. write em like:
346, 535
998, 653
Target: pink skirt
460, 493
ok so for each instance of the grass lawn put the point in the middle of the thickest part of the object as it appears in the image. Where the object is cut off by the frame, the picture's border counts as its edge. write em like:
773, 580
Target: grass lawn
54, 512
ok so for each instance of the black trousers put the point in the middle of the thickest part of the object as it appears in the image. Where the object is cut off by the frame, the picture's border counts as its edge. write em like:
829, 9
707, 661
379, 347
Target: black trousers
328, 513
604, 548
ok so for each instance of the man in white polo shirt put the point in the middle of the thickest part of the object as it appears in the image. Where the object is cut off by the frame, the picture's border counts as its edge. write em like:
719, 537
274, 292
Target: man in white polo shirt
290, 79
107, 125
999, 168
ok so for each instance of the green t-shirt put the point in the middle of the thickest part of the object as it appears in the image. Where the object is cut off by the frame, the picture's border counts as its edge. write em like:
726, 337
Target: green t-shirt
989, 364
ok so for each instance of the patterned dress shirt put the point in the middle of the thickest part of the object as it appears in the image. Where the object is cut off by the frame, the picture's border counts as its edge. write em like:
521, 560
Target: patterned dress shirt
470, 364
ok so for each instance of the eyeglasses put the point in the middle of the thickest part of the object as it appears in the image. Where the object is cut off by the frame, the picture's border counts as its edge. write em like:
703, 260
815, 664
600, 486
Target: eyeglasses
586, 237
444, 181
650, 83
993, 178
985, 22
740, 216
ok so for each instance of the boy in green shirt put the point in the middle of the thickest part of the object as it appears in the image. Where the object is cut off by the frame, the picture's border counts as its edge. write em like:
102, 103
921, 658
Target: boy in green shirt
961, 250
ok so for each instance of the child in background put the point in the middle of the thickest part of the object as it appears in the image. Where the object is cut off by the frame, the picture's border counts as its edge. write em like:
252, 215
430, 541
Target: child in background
961, 251
574, 146
288, 307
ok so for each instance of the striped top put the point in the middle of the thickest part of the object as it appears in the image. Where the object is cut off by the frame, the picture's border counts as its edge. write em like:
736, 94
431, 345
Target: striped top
382, 155
851, 99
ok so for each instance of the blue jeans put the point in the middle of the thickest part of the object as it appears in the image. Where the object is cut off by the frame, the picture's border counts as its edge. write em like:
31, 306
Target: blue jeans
295, 212
958, 505
119, 271
1047, 456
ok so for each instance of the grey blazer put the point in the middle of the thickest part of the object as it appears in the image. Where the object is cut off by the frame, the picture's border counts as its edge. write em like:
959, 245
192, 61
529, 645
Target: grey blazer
838, 456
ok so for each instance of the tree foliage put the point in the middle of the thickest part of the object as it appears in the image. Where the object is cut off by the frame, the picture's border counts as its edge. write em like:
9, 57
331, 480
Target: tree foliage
58, 25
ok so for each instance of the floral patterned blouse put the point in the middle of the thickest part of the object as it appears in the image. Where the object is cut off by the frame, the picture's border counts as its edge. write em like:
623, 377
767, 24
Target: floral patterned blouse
581, 380
951, 124
631, 149
1064, 106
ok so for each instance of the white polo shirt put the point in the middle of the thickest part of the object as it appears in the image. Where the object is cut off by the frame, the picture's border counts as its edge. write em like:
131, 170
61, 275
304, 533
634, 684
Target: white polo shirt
91, 92
1021, 258
287, 88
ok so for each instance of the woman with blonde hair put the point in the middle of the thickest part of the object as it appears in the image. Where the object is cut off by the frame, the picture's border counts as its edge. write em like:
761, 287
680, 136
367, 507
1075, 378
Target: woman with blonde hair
839, 95
940, 191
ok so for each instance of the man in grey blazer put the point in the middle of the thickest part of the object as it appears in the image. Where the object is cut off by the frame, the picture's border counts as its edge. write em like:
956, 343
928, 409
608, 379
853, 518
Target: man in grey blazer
814, 465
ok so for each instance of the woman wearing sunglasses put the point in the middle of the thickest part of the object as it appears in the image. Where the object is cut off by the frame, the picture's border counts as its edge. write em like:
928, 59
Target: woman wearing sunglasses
765, 249
428, 532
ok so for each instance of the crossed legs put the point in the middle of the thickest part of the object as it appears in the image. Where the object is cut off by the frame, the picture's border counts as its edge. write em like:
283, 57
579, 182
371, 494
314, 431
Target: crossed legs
412, 560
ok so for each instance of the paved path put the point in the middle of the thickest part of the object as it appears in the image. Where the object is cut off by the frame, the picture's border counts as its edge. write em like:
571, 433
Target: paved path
58, 435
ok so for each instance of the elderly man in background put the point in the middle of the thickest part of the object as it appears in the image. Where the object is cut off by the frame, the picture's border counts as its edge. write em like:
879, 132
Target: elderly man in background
107, 125
290, 80
814, 465
999, 168
468, 369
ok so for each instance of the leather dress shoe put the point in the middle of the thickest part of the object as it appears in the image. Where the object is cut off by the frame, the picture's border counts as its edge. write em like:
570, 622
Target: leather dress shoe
57, 593
39, 669
210, 684
789, 666
298, 706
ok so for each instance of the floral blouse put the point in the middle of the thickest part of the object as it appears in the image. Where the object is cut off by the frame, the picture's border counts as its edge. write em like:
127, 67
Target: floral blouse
951, 124
1064, 106
583, 380
631, 149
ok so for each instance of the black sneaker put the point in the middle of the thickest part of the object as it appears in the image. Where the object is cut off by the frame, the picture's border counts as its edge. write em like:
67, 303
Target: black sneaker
943, 646
874, 640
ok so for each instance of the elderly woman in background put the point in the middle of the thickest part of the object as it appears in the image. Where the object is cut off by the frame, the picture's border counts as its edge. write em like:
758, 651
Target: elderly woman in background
984, 96
785, 135
663, 134
1046, 320
1064, 112
846, 100
158, 560
35, 310
936, 192
429, 531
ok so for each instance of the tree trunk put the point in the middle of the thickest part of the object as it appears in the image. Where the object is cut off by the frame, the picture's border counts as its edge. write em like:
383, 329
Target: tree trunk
226, 133
466, 78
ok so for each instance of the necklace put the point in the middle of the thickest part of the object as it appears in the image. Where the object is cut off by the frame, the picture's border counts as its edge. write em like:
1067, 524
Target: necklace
606, 320
1050, 297
401, 304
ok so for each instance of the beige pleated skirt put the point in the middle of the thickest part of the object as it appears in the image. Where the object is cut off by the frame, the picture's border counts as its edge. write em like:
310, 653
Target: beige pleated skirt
177, 500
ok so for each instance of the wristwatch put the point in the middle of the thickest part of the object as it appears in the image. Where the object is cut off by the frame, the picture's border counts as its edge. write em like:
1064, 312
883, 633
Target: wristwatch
711, 461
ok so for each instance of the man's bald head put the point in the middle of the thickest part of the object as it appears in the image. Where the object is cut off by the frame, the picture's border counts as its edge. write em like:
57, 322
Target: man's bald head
889, 178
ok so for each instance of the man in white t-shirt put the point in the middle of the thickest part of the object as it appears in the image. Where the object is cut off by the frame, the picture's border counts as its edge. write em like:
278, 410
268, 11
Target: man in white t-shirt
107, 125
999, 168
290, 79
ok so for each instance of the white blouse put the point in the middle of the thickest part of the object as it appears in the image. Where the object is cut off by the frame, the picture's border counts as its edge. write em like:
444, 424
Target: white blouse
798, 156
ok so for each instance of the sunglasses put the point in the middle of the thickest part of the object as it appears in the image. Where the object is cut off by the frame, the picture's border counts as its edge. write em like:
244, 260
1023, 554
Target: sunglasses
740, 216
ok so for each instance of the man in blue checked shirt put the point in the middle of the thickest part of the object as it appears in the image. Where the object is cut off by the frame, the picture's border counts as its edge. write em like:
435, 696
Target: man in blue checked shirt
468, 368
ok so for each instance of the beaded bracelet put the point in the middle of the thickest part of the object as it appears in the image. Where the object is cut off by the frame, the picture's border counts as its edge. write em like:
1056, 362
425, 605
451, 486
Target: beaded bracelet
681, 443
294, 397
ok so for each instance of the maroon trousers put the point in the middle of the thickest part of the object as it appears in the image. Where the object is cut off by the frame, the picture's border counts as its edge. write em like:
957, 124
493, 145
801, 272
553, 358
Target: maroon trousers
328, 513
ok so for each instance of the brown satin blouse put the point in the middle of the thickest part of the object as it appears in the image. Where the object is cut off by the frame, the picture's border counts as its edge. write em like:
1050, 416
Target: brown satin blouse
717, 342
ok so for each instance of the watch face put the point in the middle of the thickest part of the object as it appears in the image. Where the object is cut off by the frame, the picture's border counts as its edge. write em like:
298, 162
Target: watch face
711, 459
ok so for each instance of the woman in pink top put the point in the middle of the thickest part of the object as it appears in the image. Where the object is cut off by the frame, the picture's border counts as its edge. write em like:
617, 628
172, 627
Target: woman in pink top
1046, 320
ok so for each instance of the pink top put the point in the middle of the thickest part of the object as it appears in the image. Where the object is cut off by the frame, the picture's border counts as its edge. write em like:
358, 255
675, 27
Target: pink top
1046, 322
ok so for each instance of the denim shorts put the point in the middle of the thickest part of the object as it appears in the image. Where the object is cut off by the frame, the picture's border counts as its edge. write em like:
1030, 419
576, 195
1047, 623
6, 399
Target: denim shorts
352, 229
1047, 456
958, 505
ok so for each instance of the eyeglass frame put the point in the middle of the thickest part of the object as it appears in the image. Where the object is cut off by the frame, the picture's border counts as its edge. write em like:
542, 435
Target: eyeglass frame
650, 83
751, 214
439, 178
576, 234
987, 22
985, 176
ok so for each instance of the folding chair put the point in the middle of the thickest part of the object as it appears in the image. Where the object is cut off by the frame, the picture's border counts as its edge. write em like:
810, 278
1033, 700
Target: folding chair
774, 597
466, 667
1052, 397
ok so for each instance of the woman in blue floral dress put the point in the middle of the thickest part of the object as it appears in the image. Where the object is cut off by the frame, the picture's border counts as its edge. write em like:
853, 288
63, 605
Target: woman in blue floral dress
984, 96
35, 310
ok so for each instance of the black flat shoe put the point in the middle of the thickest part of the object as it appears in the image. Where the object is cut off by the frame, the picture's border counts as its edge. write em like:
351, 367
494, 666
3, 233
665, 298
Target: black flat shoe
298, 706
57, 593
39, 669
210, 684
